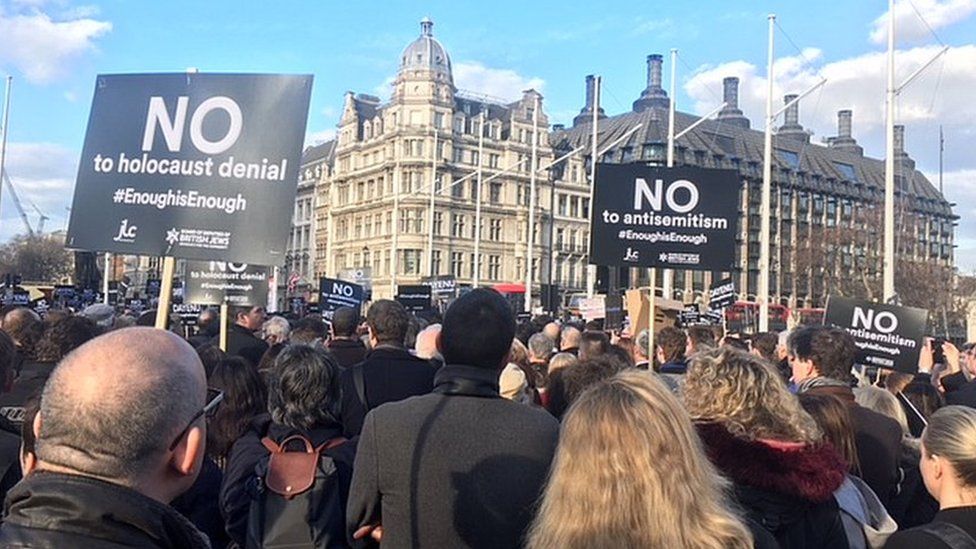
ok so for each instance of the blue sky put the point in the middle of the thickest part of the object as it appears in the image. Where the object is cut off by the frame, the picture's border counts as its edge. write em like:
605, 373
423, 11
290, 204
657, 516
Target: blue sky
54, 49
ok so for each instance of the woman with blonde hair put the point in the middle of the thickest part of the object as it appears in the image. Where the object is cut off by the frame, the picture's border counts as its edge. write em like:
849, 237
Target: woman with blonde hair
630, 472
757, 434
948, 464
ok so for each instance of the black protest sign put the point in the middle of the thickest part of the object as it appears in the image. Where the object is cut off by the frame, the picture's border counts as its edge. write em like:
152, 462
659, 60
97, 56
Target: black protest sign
153, 287
887, 336
135, 304
414, 298
297, 306
721, 294
214, 282
186, 312
680, 218
338, 293
613, 305
16, 296
442, 287
197, 166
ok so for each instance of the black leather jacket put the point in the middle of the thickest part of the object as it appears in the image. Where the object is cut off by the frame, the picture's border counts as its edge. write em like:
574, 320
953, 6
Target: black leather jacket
53, 510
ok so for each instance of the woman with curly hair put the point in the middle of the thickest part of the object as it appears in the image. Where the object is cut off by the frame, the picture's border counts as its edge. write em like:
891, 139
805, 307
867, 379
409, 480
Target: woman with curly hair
756, 433
630, 472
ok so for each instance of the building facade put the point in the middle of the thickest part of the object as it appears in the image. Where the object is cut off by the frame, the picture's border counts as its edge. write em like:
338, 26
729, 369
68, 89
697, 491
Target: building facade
373, 206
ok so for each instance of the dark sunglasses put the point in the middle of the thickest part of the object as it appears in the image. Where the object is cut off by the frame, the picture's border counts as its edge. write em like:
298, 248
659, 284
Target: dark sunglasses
214, 397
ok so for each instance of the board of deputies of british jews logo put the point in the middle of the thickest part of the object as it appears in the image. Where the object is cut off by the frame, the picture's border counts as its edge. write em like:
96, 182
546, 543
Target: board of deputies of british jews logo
664, 217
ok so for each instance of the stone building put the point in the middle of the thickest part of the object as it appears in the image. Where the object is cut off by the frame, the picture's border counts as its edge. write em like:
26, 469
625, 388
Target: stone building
827, 200
372, 200
373, 209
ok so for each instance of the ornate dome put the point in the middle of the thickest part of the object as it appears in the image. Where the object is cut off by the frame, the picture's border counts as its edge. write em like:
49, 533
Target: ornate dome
426, 54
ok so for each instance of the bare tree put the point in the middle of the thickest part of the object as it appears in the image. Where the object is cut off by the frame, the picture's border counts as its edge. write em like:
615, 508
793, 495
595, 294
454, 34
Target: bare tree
35, 259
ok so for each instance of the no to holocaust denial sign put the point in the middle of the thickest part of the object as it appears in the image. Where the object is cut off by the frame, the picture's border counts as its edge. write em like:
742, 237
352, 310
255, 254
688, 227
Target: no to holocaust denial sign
682, 218
213, 282
887, 336
339, 293
197, 166
414, 298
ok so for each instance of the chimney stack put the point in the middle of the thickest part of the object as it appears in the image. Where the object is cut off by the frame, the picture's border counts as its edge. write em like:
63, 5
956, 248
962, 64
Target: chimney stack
730, 113
586, 113
791, 120
845, 139
844, 124
654, 62
899, 140
653, 96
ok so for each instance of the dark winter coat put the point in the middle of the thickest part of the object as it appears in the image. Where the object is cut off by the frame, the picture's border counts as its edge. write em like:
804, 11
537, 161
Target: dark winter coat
878, 440
958, 391
389, 374
917, 538
243, 343
461, 467
788, 490
347, 352
200, 504
33, 376
237, 489
55, 511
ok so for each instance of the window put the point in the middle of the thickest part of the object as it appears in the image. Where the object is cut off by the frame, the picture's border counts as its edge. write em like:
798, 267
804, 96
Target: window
457, 190
471, 265
494, 267
846, 170
457, 229
410, 262
586, 208
436, 262
563, 205
474, 190
457, 155
438, 223
495, 196
791, 158
457, 262
495, 230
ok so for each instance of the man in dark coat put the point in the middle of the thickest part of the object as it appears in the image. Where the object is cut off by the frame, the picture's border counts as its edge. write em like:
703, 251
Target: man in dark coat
241, 340
821, 359
120, 434
345, 344
208, 326
671, 344
461, 467
389, 373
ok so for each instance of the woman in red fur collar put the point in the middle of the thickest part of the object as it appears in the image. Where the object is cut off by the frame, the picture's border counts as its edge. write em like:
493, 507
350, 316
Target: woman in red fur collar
756, 434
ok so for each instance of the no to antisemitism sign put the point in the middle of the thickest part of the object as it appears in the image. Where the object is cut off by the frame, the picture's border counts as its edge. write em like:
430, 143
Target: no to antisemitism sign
681, 218
197, 166
887, 336
213, 282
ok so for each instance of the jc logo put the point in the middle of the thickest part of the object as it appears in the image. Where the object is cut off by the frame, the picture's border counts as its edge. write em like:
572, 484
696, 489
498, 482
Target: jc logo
126, 233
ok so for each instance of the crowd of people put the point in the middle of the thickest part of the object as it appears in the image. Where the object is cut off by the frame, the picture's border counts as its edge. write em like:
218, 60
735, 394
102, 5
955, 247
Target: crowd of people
469, 429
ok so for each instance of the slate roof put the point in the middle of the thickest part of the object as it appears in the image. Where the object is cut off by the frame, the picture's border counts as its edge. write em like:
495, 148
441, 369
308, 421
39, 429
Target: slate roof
720, 138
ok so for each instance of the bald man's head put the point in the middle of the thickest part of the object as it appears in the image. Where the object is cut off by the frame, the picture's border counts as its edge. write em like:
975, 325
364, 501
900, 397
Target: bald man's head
22, 325
113, 406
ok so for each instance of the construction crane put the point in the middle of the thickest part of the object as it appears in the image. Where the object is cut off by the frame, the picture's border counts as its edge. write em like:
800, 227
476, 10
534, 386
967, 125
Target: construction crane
41, 218
17, 204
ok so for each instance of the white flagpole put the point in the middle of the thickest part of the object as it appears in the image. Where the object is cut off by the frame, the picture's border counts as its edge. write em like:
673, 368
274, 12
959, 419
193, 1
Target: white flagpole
889, 200
594, 158
764, 210
476, 275
529, 246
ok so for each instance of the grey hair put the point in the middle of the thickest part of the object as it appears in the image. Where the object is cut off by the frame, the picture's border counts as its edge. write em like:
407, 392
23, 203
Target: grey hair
303, 388
640, 345
122, 433
540, 346
277, 326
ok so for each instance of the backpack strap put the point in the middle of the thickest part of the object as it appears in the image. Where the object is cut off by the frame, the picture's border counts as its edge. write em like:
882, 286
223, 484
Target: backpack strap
330, 444
950, 534
291, 472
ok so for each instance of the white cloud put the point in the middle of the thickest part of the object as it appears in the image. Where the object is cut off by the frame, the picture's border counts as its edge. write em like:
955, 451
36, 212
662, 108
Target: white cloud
43, 47
44, 175
908, 25
501, 83
317, 138
941, 94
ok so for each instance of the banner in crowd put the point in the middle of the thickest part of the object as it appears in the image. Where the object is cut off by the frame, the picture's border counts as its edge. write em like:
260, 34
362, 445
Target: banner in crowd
186, 312
197, 166
721, 294
414, 298
593, 308
677, 218
339, 293
213, 282
613, 308
442, 286
363, 277
887, 336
